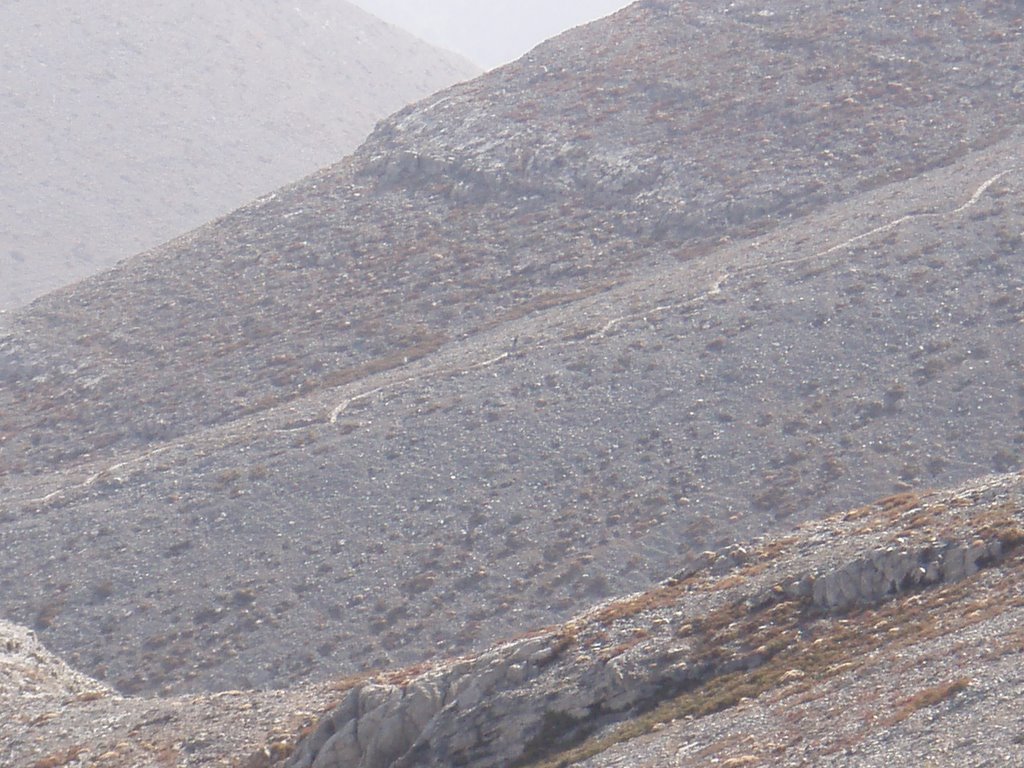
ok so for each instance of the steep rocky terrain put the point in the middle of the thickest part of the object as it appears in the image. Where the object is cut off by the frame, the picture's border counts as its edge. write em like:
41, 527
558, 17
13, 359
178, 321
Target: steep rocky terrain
805, 624
544, 337
126, 124
885, 633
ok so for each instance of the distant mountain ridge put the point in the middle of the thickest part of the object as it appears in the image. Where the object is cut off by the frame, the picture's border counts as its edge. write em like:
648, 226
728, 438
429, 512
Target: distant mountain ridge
128, 125
540, 340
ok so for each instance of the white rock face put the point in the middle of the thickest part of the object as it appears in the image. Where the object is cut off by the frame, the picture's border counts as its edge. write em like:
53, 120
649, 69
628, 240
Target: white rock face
126, 124
878, 575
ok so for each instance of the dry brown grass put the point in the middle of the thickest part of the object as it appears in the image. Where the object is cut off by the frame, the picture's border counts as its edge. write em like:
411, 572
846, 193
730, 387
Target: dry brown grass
268, 757
91, 696
405, 675
728, 582
929, 697
889, 508
775, 547
659, 597
60, 758
924, 518
345, 684
899, 503
740, 762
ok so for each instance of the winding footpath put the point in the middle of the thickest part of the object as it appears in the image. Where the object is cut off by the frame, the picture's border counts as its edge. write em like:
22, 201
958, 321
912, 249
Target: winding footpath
568, 324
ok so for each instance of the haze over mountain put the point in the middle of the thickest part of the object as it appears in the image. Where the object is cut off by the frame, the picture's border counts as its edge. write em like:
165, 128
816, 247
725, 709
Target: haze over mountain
491, 33
672, 280
126, 124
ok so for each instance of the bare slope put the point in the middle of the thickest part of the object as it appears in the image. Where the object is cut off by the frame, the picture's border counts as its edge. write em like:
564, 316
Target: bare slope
543, 336
887, 634
126, 124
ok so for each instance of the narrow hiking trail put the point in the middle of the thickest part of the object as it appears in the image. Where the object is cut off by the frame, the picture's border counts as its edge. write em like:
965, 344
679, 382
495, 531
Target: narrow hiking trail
575, 322
664, 277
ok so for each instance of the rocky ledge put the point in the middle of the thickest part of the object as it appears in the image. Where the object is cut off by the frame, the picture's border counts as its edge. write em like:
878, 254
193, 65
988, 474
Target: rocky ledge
731, 626
888, 631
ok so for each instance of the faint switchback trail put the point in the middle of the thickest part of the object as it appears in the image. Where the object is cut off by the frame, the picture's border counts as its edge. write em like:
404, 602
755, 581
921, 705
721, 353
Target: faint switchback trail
577, 321
715, 289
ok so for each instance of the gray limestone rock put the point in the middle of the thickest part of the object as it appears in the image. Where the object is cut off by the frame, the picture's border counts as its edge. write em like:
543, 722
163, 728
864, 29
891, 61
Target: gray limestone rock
493, 709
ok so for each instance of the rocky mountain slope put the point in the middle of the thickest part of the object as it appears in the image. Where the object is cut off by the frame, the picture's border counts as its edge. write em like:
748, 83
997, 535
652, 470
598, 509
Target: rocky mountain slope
805, 624
125, 125
888, 631
542, 339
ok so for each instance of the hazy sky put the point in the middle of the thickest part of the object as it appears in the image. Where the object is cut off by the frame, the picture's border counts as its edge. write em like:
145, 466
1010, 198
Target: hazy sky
489, 32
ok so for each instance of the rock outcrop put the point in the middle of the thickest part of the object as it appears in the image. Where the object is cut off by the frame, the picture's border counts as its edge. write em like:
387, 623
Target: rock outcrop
534, 697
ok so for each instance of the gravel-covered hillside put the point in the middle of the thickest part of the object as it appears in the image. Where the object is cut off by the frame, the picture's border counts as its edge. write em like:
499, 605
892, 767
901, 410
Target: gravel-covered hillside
887, 634
541, 339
